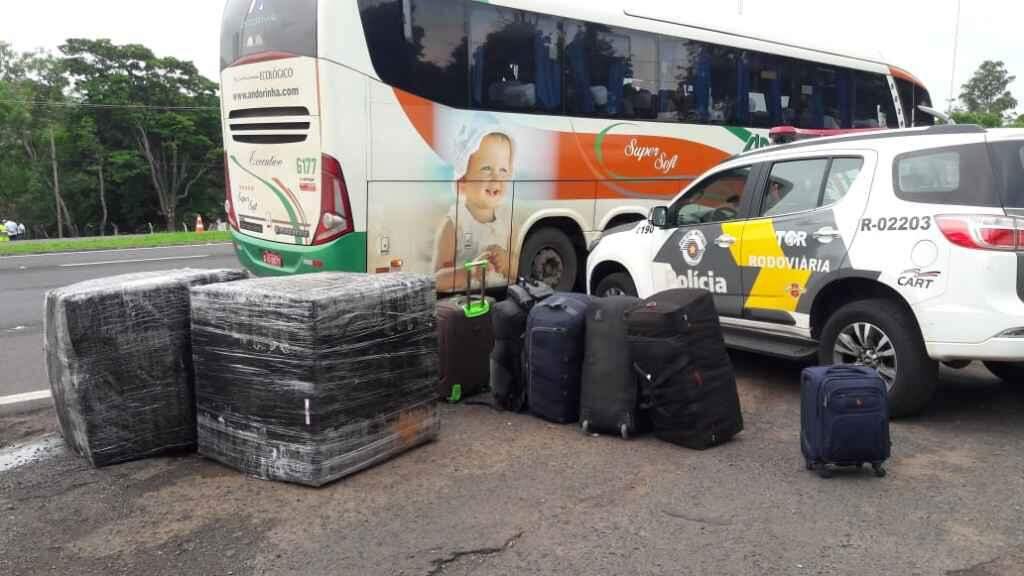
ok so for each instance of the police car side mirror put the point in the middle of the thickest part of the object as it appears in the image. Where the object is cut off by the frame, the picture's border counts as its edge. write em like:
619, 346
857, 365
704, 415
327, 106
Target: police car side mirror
659, 217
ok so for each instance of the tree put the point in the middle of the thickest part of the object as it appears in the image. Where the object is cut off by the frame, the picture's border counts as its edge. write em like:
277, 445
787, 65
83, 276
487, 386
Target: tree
980, 118
160, 108
986, 92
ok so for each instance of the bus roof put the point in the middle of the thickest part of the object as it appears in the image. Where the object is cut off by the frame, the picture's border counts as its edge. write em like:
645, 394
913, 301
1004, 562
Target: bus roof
664, 22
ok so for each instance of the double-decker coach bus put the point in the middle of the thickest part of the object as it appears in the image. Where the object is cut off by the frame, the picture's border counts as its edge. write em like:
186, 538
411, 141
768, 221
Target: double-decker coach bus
417, 135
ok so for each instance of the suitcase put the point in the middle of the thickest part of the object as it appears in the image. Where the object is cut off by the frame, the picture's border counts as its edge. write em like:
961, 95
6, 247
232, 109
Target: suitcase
554, 356
527, 293
844, 418
609, 399
465, 336
507, 386
687, 381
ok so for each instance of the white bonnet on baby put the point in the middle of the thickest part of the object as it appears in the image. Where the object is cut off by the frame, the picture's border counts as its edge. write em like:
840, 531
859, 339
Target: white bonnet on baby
469, 137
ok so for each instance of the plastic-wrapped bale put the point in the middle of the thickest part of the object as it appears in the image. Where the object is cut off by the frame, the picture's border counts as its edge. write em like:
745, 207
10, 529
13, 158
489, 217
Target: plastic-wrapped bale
119, 361
308, 379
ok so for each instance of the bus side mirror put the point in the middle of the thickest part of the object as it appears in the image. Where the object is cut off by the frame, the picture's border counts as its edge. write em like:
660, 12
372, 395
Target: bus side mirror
659, 217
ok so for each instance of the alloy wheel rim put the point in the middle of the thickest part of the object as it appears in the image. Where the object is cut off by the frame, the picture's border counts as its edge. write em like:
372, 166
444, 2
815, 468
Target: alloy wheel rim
868, 345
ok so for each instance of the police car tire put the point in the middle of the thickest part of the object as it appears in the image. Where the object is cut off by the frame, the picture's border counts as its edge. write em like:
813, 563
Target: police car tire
1009, 372
916, 374
620, 280
554, 239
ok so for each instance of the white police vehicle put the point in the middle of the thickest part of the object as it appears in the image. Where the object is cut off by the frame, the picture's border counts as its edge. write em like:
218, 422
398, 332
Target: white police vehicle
897, 249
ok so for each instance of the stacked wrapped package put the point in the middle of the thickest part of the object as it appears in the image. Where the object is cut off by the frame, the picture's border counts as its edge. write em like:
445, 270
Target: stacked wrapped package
307, 379
119, 361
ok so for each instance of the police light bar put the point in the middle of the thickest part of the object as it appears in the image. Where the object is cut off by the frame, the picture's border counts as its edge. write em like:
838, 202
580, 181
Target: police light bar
787, 134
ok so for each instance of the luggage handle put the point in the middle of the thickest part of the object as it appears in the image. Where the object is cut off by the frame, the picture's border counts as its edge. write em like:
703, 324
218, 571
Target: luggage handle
476, 305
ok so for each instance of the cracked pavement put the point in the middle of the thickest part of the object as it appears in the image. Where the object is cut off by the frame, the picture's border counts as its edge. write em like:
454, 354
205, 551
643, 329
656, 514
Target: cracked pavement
509, 494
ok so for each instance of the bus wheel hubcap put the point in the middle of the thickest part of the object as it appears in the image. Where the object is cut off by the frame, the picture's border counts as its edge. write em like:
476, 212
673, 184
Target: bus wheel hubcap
548, 266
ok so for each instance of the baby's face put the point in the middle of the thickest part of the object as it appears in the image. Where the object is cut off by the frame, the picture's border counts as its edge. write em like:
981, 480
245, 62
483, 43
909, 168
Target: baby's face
488, 173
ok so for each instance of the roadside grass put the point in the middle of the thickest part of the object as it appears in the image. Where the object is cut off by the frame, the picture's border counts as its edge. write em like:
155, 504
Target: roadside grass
111, 242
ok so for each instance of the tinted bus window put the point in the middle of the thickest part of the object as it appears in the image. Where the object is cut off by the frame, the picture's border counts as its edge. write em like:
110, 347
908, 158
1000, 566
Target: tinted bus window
679, 80
873, 102
912, 96
514, 60
612, 72
419, 46
267, 26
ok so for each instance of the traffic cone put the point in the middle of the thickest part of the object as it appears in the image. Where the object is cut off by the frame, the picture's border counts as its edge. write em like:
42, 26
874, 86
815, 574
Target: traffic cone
199, 224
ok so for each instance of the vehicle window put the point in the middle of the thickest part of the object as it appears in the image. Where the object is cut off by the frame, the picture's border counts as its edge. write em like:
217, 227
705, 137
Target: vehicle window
429, 56
514, 60
762, 92
873, 103
613, 72
1009, 157
794, 186
912, 96
716, 199
840, 178
270, 25
956, 175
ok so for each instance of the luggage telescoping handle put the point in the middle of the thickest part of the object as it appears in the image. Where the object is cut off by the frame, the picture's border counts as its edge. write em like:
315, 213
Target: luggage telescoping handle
476, 305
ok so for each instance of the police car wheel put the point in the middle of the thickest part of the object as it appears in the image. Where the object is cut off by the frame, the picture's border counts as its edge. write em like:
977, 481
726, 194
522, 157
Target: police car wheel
883, 335
1009, 372
549, 256
617, 284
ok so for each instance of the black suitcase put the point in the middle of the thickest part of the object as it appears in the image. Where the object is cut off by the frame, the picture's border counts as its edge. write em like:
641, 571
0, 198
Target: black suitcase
507, 386
554, 356
687, 379
465, 336
609, 399
844, 418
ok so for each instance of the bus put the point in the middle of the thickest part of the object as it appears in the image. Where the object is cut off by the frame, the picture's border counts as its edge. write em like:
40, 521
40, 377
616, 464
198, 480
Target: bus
417, 135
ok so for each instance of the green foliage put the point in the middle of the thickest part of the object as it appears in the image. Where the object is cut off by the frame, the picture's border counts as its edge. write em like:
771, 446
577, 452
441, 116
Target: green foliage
112, 242
986, 92
980, 118
148, 126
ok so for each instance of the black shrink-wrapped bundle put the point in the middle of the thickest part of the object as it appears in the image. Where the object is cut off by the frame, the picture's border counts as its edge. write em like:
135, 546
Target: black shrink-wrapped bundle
308, 379
119, 361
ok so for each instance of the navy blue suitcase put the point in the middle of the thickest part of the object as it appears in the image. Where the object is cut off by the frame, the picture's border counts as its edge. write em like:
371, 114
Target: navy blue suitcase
554, 356
844, 418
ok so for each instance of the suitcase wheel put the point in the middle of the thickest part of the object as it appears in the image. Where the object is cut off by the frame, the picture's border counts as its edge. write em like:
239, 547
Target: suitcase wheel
823, 470
879, 471
624, 431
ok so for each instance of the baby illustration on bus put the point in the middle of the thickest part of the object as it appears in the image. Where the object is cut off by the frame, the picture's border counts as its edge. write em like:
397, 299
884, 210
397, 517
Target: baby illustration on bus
478, 226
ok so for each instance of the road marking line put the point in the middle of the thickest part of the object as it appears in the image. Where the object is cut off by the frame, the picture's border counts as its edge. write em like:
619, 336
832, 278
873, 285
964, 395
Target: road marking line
136, 261
116, 250
26, 397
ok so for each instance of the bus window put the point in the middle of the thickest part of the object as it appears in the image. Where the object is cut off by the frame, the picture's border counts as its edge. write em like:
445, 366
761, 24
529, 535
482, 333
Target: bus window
427, 58
874, 106
267, 26
514, 60
912, 96
613, 72
763, 90
679, 74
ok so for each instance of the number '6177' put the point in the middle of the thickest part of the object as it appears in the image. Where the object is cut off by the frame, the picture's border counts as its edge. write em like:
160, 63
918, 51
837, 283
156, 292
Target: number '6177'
306, 166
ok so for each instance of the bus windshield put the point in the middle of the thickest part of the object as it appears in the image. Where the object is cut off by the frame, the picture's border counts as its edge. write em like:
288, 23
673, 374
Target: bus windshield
255, 26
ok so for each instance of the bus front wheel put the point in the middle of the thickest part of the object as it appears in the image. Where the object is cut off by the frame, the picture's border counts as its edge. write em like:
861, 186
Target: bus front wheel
549, 256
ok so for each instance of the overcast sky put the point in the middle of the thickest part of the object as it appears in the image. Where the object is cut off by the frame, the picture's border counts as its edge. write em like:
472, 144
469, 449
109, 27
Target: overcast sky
913, 34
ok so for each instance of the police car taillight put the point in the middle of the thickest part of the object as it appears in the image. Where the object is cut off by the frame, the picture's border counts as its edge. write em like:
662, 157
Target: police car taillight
979, 232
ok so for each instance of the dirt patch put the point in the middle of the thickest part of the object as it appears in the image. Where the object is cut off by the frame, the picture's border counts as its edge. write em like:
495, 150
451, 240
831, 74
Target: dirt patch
18, 428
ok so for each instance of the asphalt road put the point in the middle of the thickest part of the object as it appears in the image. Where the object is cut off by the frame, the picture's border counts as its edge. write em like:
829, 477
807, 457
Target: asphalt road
503, 494
25, 279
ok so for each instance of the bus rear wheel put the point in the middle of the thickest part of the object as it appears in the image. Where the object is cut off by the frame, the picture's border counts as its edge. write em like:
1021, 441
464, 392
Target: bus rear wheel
549, 256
